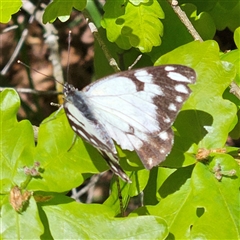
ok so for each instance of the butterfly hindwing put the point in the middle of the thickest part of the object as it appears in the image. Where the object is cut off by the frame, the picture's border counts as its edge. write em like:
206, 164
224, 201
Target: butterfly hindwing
135, 108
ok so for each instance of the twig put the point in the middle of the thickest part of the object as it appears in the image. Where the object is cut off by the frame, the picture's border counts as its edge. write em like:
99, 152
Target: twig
16, 52
54, 57
32, 91
184, 19
135, 62
235, 89
111, 60
94, 179
8, 29
51, 39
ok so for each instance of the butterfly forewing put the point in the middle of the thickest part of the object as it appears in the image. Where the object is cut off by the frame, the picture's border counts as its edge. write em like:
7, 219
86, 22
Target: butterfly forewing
88, 127
134, 108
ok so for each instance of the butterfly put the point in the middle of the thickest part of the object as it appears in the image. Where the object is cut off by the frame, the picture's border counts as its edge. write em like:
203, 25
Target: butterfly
134, 109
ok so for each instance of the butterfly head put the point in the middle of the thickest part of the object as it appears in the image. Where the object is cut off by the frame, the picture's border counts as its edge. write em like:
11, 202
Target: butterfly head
68, 89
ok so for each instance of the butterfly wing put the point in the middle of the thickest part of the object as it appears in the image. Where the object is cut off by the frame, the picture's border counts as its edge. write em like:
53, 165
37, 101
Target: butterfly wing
138, 107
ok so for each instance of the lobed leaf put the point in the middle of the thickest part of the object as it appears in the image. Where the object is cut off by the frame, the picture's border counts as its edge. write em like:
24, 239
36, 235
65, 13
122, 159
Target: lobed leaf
132, 25
195, 204
8, 9
203, 22
72, 220
62, 9
24, 225
63, 157
205, 112
16, 141
226, 17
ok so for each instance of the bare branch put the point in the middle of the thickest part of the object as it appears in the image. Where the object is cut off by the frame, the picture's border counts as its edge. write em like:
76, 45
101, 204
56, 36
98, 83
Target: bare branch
89, 187
16, 52
235, 89
8, 29
111, 60
51, 39
184, 19
32, 91
135, 62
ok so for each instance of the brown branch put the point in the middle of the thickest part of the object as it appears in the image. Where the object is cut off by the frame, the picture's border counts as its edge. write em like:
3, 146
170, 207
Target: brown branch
235, 89
32, 91
185, 20
112, 62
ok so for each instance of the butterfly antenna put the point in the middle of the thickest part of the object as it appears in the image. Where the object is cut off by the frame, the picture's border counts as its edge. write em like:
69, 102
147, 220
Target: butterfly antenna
68, 58
27, 66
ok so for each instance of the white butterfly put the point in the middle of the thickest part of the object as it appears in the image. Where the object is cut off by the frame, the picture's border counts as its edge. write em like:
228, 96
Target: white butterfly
136, 109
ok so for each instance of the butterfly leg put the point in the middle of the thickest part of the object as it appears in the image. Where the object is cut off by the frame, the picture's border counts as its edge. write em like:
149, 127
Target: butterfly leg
55, 114
73, 142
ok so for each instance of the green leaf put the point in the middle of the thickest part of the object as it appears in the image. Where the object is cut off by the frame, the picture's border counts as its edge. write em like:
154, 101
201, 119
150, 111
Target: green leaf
123, 58
132, 25
7, 9
175, 33
57, 162
202, 6
163, 174
205, 112
139, 182
176, 209
202, 22
195, 204
237, 37
233, 57
235, 133
61, 157
71, 220
228, 4
62, 9
221, 206
16, 141
25, 225
113, 200
137, 2
224, 17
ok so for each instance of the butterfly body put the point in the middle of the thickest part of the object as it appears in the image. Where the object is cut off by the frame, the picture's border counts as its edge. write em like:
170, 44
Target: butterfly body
135, 108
